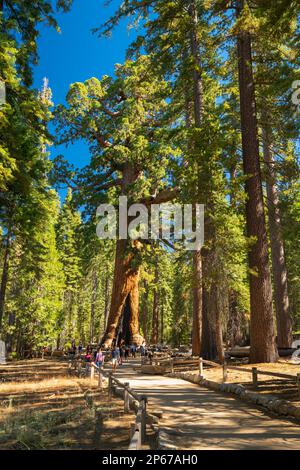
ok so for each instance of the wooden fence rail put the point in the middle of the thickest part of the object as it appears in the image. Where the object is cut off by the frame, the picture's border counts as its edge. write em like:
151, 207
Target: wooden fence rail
256, 372
179, 363
132, 400
199, 364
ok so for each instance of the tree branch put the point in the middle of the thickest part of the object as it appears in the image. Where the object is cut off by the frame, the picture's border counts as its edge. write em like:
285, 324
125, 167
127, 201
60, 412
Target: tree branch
164, 196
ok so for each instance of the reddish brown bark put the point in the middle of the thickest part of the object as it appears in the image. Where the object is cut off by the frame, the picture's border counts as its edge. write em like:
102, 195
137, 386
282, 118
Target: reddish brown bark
93, 307
155, 314
145, 312
197, 303
208, 340
4, 277
125, 283
215, 321
281, 296
198, 118
106, 301
262, 337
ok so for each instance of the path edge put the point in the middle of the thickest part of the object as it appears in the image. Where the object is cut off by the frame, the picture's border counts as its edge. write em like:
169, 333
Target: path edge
270, 403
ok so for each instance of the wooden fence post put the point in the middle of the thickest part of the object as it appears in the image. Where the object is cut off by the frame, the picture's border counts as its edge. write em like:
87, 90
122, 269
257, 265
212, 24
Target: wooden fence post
140, 441
100, 379
126, 398
225, 372
201, 366
254, 377
110, 384
92, 372
144, 419
172, 366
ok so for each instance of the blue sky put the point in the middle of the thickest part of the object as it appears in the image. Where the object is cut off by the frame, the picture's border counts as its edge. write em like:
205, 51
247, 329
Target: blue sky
77, 54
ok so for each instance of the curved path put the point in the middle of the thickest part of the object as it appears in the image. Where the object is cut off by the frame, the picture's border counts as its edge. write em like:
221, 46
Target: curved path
195, 417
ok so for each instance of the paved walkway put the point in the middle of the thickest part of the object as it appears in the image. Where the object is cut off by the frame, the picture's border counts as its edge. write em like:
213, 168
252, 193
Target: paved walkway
197, 418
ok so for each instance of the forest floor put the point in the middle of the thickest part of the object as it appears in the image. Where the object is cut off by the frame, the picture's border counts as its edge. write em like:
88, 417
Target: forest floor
41, 407
195, 417
280, 388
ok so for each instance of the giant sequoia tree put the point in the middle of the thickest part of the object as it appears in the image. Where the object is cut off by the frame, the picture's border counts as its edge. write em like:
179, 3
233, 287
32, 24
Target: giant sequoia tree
122, 120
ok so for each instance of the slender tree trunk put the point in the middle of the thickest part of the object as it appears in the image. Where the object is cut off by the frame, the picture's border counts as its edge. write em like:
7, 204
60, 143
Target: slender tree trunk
106, 302
4, 278
197, 303
215, 321
162, 325
284, 322
208, 339
263, 347
93, 307
145, 312
198, 116
155, 314
234, 322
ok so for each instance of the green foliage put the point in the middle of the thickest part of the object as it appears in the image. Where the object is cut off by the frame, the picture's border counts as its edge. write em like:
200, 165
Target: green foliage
142, 120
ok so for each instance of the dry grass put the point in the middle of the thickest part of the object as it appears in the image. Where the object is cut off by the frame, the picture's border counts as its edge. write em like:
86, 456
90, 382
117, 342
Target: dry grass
49, 410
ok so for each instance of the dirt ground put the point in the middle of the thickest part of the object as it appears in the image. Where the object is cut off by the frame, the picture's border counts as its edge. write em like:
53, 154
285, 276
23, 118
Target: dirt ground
41, 407
281, 388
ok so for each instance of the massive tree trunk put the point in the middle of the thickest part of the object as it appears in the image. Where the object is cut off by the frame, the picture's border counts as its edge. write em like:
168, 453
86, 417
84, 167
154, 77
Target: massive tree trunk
155, 313
198, 117
262, 337
4, 278
125, 287
126, 279
284, 322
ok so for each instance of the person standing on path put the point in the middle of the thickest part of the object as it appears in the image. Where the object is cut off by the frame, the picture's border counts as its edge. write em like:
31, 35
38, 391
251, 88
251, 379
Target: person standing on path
99, 358
126, 353
122, 353
114, 358
133, 351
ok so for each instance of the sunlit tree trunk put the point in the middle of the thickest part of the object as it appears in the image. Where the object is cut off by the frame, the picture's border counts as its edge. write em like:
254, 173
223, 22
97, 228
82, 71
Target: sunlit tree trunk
106, 302
145, 312
4, 277
155, 313
125, 284
197, 303
93, 306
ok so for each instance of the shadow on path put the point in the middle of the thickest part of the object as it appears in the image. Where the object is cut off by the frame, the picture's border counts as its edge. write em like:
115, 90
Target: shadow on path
198, 418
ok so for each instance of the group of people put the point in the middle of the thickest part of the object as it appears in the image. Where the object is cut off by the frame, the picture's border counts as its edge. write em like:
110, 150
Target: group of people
117, 354
120, 354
